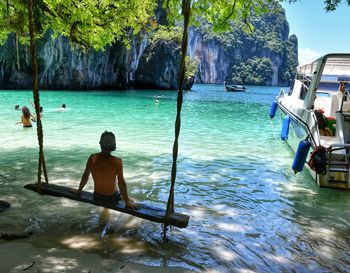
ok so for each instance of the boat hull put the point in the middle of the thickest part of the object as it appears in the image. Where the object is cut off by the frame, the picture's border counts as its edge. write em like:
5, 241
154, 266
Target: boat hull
318, 107
298, 131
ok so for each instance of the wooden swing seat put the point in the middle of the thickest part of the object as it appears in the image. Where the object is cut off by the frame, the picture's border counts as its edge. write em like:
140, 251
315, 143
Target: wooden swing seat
144, 211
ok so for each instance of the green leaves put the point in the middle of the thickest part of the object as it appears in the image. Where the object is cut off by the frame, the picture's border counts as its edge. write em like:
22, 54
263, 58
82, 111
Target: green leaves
97, 23
221, 14
89, 23
165, 33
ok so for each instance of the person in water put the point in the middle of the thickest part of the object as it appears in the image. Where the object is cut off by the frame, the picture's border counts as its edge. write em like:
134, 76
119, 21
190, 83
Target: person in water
105, 168
25, 118
40, 108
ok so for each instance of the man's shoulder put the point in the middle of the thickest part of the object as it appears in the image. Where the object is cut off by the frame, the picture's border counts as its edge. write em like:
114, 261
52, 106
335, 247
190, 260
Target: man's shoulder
117, 159
98, 156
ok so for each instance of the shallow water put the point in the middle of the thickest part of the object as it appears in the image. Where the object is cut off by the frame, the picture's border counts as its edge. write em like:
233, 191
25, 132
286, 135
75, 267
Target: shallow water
248, 210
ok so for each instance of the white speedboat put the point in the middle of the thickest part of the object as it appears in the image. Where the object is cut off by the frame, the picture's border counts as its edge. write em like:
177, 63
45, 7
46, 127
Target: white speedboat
316, 119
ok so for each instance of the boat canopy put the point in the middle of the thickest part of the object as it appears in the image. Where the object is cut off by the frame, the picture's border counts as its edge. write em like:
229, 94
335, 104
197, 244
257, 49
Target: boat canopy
327, 71
337, 65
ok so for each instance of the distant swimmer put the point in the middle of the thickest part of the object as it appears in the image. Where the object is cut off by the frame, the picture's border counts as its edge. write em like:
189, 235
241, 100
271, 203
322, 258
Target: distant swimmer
40, 108
156, 98
63, 108
17, 107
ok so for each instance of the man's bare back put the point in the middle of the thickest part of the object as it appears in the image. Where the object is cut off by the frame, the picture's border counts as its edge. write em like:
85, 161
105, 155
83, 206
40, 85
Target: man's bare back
106, 170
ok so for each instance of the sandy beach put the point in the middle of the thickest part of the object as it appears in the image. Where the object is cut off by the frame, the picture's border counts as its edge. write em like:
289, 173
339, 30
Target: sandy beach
21, 256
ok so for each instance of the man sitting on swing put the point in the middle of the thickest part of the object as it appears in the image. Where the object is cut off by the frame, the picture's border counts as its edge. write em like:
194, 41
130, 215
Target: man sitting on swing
105, 168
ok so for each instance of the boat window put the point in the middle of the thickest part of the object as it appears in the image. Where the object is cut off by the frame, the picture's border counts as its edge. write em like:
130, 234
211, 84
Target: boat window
290, 91
298, 90
328, 86
303, 92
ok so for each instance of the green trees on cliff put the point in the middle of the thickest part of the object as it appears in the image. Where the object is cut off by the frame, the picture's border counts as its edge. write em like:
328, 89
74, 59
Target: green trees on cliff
256, 71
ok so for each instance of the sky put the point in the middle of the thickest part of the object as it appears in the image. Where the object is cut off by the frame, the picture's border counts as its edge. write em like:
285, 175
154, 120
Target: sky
319, 32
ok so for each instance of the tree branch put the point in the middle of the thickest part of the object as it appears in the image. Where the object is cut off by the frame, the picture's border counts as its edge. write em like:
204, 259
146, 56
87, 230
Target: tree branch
230, 15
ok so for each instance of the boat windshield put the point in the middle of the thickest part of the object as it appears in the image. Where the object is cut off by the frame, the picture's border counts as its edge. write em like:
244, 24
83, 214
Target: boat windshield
337, 66
308, 69
336, 69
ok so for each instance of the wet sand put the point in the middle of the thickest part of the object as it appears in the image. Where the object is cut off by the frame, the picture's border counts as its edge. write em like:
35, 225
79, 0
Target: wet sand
21, 256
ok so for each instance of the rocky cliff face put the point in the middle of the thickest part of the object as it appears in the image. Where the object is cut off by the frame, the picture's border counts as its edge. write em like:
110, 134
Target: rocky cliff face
219, 54
213, 64
158, 65
149, 64
62, 66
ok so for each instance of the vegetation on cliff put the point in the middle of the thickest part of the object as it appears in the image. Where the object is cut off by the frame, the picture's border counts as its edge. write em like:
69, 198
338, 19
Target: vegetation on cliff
172, 35
260, 55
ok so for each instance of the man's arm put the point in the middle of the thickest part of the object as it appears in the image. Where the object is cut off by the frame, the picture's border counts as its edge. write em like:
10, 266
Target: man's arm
20, 121
85, 176
122, 186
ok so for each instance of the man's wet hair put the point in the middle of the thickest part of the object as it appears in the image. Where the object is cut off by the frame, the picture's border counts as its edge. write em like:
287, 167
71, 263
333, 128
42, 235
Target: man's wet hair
107, 141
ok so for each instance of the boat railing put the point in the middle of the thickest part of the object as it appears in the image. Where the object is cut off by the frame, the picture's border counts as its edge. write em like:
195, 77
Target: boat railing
304, 79
346, 94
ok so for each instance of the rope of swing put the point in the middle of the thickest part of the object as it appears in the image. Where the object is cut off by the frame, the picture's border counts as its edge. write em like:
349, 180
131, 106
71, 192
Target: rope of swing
36, 94
186, 12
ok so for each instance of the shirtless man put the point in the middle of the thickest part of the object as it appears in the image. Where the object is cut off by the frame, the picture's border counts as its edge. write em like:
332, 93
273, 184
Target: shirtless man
104, 169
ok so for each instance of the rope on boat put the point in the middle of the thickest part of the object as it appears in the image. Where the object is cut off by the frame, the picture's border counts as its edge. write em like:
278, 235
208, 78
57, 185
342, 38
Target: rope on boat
273, 131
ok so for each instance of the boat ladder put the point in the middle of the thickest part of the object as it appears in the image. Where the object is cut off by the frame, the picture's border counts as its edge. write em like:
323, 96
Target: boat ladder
338, 166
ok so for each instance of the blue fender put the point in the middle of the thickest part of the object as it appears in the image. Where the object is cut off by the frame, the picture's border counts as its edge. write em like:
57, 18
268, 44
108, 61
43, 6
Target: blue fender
301, 155
285, 128
273, 109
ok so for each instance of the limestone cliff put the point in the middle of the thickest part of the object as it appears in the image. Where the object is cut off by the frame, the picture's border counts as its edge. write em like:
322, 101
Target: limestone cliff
155, 64
231, 56
61, 66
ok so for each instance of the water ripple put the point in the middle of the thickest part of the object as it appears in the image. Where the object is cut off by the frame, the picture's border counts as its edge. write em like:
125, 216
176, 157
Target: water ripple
248, 211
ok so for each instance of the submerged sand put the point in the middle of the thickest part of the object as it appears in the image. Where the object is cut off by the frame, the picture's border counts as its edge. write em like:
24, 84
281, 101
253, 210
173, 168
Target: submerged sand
21, 256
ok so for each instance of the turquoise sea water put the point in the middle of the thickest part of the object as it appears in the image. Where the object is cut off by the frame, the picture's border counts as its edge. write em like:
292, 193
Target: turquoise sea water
248, 210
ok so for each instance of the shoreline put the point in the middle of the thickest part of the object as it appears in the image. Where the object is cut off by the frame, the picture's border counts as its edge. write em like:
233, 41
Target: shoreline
22, 256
